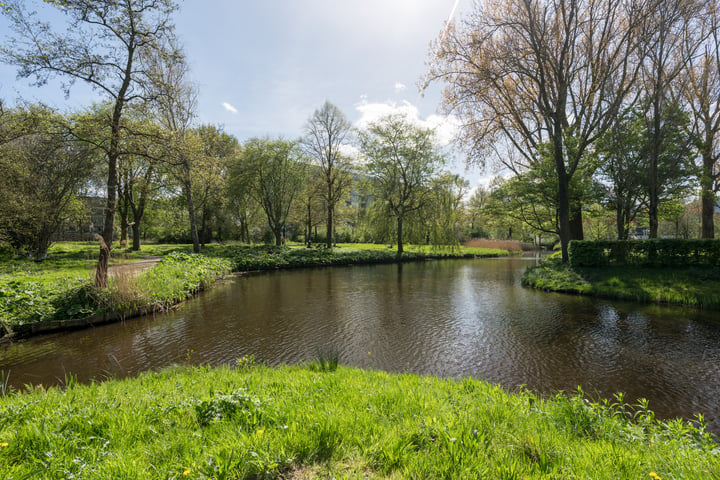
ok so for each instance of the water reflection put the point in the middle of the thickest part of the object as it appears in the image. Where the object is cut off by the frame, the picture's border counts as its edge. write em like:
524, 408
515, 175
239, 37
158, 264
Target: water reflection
449, 318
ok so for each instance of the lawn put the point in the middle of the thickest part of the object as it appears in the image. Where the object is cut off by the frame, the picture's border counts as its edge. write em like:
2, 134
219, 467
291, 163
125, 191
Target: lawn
318, 421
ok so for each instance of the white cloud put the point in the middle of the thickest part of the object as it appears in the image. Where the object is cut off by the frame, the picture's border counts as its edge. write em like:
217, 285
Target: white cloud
229, 107
445, 126
400, 87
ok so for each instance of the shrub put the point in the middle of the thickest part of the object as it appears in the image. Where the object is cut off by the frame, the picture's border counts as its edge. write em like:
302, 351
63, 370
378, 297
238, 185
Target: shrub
645, 253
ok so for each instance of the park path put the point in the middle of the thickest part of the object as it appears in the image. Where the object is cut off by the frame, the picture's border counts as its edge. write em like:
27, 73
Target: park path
133, 268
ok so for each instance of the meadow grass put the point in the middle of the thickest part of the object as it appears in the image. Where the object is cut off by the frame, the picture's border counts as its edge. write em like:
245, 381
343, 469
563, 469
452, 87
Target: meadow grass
296, 422
691, 286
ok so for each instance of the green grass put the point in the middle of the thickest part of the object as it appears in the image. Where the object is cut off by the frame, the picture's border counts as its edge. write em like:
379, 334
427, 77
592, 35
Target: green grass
251, 422
61, 288
691, 286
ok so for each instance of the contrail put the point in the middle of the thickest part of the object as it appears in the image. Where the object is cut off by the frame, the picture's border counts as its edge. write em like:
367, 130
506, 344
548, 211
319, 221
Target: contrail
442, 37
450, 17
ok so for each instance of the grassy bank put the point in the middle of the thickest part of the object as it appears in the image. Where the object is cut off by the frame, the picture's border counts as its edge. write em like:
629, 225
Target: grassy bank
308, 422
60, 288
691, 286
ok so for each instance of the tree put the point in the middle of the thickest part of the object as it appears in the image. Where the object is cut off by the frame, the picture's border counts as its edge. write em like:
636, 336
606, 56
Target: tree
534, 73
401, 160
217, 149
325, 134
623, 170
702, 93
175, 106
273, 172
444, 213
105, 46
475, 205
662, 66
43, 172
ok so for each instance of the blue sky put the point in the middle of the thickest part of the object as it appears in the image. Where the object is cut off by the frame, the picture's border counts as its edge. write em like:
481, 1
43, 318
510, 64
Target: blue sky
263, 67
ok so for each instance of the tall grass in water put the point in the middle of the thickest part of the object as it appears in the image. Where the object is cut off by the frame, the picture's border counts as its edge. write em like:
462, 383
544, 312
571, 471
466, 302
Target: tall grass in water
326, 359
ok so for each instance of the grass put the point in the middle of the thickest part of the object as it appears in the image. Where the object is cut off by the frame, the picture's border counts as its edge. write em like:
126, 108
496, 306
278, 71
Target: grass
293, 422
61, 288
691, 286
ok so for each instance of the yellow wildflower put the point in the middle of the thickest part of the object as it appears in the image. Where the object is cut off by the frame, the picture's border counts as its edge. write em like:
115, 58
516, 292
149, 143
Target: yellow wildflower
186, 472
654, 476
4, 444
259, 432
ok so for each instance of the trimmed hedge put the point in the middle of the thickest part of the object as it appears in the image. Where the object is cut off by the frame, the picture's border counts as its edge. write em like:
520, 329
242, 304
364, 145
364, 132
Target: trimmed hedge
646, 253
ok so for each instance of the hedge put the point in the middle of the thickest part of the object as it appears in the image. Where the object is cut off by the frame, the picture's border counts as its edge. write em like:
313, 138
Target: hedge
646, 253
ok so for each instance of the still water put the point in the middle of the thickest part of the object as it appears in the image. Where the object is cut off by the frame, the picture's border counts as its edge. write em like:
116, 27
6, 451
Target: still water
450, 318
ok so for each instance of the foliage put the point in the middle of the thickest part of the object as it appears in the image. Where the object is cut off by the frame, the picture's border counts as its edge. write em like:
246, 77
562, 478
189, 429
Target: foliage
401, 161
60, 289
108, 46
524, 74
653, 253
294, 422
270, 258
272, 172
44, 170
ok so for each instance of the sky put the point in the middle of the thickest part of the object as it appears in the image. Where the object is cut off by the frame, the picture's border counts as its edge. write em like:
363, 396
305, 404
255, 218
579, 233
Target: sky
263, 67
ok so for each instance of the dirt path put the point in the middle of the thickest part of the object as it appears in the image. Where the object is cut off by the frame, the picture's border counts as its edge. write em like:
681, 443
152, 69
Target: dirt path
133, 268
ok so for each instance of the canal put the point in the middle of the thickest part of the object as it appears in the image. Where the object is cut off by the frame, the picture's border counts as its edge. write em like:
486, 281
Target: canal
452, 318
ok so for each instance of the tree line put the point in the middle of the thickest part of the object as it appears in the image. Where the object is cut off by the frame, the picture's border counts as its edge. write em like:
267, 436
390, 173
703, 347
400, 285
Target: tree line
142, 151
592, 105
616, 100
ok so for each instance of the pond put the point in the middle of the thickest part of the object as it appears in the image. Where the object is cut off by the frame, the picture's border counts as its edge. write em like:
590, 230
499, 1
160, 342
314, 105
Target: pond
451, 318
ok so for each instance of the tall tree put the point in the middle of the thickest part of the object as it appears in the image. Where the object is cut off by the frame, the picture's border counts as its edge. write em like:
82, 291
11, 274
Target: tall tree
325, 134
175, 105
217, 150
540, 72
401, 160
105, 46
702, 94
274, 172
662, 65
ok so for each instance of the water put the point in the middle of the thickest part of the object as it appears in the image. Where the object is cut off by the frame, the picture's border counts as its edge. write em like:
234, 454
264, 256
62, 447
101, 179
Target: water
449, 318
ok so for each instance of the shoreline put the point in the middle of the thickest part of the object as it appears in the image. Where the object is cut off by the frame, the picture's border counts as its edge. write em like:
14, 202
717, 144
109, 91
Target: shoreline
99, 318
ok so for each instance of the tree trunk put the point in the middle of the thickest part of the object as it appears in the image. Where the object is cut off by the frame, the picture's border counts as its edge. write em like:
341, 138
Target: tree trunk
330, 222
620, 222
278, 236
309, 224
400, 235
191, 209
653, 187
136, 236
107, 236
576, 222
708, 198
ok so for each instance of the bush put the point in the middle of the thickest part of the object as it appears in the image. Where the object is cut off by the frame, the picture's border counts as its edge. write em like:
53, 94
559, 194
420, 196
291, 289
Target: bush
645, 253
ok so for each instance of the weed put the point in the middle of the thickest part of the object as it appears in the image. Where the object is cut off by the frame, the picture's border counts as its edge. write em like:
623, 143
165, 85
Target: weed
245, 362
327, 360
